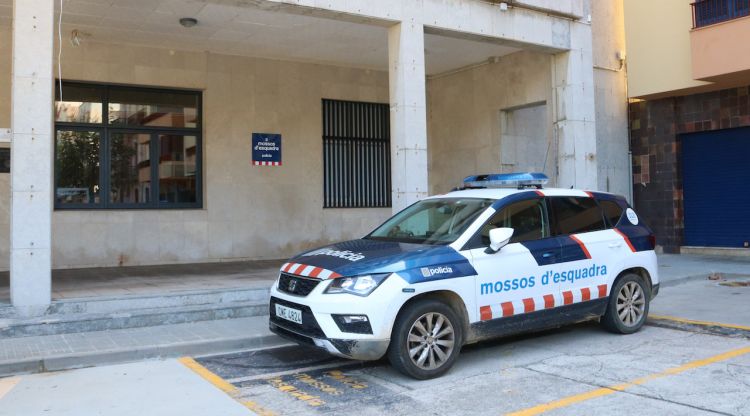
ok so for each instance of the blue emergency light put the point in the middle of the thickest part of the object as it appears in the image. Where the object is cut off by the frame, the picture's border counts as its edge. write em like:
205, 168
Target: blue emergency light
506, 180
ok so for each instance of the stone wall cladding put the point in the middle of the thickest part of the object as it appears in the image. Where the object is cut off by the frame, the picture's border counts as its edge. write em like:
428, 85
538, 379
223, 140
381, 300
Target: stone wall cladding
655, 126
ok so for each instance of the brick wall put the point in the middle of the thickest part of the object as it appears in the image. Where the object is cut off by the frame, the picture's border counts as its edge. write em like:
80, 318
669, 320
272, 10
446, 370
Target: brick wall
655, 126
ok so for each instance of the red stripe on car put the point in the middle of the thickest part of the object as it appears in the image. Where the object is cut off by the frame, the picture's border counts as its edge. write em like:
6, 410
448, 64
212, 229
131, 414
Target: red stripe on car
602, 290
507, 308
485, 313
549, 301
627, 240
567, 297
583, 246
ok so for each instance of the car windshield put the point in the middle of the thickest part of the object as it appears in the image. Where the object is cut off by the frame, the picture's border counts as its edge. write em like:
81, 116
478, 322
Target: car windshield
432, 221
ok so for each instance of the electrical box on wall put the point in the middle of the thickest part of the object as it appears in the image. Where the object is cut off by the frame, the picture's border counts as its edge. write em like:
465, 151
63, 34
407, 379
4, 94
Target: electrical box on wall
4, 160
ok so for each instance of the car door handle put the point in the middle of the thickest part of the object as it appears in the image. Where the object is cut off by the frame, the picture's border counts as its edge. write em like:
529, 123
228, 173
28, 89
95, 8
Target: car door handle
615, 245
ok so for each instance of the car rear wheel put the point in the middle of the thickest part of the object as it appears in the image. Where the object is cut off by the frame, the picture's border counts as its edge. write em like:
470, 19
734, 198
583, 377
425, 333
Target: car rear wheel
628, 305
426, 340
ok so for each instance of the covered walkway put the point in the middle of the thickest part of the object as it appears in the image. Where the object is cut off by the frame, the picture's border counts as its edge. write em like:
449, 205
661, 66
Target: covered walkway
154, 280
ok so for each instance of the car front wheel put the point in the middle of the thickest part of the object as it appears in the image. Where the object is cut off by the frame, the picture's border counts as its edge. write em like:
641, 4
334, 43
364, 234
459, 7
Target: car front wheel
426, 340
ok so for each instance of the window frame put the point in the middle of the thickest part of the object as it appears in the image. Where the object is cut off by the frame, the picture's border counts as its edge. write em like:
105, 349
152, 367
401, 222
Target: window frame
106, 130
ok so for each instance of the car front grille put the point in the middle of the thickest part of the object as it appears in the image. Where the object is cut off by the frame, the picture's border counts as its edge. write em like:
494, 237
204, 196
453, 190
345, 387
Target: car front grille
295, 285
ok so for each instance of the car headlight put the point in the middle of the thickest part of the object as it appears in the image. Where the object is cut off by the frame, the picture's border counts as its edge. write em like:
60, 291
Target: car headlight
357, 285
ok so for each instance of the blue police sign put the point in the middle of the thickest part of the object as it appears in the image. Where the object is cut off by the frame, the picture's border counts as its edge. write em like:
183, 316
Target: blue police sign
266, 149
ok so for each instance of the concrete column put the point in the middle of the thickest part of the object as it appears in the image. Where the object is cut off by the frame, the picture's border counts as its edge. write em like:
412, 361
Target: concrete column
575, 111
31, 155
408, 102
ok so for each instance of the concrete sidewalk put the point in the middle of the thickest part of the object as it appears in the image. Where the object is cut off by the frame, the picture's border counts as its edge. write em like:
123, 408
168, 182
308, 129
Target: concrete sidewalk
681, 266
725, 301
87, 349
152, 280
151, 388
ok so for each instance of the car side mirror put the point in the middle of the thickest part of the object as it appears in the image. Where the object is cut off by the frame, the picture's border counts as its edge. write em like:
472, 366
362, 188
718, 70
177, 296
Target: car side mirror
499, 237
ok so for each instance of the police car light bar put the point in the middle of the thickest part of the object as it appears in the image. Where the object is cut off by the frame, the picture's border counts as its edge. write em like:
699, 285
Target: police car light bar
506, 180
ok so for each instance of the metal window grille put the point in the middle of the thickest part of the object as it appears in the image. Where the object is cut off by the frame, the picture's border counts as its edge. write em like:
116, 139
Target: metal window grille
356, 155
709, 12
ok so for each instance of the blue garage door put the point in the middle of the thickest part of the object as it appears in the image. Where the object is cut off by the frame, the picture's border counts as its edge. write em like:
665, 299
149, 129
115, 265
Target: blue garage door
716, 186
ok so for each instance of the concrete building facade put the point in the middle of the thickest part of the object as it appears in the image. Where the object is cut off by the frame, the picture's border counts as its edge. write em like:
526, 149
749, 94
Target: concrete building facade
689, 79
469, 86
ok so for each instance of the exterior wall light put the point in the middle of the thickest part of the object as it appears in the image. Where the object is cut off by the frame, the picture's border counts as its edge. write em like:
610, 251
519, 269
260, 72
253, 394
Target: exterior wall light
188, 22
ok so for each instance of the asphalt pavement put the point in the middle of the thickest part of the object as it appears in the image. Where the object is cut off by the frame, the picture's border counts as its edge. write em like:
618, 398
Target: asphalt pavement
692, 358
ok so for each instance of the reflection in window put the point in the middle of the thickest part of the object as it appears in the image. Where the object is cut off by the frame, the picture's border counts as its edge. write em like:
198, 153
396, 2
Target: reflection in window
130, 168
128, 107
146, 139
77, 167
432, 221
526, 218
612, 210
81, 104
177, 168
577, 215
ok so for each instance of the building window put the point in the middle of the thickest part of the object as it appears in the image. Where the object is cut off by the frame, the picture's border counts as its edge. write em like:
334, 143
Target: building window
127, 147
356, 155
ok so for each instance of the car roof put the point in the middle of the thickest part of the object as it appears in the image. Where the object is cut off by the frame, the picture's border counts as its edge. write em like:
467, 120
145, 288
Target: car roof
500, 193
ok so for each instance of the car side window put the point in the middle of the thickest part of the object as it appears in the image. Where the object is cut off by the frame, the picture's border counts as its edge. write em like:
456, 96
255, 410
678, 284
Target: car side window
575, 215
612, 211
528, 220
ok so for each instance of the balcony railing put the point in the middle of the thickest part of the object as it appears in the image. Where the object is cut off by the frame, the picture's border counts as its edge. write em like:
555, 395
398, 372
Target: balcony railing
708, 12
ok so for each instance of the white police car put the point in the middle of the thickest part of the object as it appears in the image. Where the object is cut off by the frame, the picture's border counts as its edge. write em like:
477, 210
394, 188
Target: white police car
478, 262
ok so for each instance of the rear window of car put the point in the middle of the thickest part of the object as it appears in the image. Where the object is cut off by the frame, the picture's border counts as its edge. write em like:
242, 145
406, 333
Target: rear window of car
612, 211
575, 215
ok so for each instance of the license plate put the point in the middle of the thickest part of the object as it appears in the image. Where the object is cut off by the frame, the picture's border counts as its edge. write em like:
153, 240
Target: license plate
294, 315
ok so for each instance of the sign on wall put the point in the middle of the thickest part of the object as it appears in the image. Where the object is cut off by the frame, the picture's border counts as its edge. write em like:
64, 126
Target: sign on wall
266, 149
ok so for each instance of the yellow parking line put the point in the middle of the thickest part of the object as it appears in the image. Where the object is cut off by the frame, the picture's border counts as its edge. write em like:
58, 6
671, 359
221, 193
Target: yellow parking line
604, 391
703, 323
212, 378
223, 385
7, 384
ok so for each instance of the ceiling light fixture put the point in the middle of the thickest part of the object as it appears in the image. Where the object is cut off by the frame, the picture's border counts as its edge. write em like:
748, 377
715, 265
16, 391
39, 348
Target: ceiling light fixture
188, 21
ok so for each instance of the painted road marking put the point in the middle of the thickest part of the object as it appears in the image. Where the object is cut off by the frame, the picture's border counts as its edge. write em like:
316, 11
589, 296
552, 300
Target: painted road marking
317, 384
605, 391
293, 371
346, 380
701, 323
223, 385
7, 384
298, 394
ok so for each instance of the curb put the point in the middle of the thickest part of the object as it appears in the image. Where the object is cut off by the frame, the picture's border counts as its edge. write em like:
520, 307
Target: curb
702, 327
124, 355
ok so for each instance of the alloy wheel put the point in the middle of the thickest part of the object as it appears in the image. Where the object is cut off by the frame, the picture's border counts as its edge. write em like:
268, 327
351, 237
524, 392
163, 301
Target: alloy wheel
631, 304
431, 341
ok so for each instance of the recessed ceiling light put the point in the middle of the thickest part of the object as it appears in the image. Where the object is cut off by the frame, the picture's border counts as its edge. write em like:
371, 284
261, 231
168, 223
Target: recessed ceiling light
188, 21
